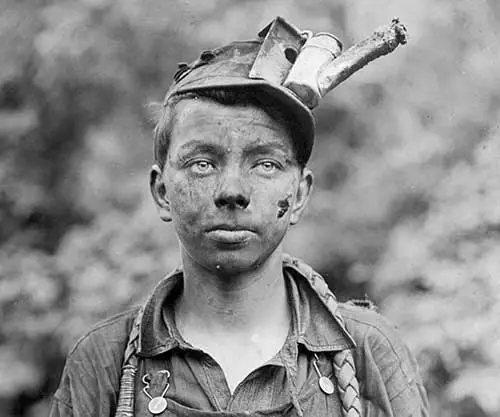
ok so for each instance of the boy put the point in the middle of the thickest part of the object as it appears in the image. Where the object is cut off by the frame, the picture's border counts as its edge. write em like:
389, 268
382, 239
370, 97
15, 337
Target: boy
241, 328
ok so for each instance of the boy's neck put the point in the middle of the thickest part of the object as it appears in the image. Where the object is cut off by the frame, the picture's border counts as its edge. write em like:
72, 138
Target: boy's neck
236, 305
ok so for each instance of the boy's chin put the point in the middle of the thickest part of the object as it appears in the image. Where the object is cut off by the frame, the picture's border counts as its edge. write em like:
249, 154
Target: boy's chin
233, 266
236, 263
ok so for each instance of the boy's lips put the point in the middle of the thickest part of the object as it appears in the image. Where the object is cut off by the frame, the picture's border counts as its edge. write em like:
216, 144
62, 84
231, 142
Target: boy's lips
230, 227
230, 234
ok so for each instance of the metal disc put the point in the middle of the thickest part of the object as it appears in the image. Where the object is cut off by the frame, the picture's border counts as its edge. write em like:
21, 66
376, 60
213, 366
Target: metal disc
326, 385
157, 405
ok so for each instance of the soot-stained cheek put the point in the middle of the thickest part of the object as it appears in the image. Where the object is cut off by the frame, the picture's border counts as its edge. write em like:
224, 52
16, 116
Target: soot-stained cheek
283, 206
189, 203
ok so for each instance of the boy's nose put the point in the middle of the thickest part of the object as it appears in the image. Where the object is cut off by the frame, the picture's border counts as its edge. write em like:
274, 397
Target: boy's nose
231, 194
232, 201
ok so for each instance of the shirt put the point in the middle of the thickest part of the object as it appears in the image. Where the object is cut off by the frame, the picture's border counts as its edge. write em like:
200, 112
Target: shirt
193, 384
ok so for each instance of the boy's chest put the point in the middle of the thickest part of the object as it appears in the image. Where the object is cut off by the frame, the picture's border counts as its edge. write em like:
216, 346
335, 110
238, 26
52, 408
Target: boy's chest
238, 360
185, 386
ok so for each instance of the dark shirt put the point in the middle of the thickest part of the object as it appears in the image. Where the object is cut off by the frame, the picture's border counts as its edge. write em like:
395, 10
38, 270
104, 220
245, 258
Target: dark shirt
286, 385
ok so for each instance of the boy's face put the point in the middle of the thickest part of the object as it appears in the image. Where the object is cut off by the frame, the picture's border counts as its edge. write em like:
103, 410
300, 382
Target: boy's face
230, 185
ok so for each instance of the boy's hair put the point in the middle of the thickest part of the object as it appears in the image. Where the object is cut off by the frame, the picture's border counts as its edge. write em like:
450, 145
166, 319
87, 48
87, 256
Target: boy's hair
230, 97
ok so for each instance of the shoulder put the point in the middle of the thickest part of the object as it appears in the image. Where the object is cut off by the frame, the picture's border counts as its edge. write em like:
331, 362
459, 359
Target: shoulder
110, 334
377, 336
386, 365
364, 322
92, 371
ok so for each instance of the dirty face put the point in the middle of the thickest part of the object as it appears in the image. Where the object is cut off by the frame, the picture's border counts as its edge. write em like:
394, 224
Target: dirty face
230, 185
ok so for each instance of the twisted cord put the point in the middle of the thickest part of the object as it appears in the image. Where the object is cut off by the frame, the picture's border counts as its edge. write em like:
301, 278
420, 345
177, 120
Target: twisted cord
126, 397
343, 361
345, 373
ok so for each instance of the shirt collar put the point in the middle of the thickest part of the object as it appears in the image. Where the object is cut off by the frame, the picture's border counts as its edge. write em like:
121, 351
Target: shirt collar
316, 328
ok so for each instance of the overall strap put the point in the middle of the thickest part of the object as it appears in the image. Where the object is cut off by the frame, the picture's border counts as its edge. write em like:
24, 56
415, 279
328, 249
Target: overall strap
343, 361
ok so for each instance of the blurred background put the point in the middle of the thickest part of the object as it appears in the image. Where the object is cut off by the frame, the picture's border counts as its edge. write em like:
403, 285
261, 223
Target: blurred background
406, 208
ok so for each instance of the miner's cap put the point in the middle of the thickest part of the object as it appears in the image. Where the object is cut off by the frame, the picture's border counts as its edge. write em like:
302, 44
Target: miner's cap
262, 64
294, 68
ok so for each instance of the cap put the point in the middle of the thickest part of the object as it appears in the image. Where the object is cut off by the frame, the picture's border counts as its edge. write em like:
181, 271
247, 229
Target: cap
262, 64
293, 67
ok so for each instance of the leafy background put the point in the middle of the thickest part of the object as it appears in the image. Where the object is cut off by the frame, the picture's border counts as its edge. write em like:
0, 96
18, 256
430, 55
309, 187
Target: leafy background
406, 207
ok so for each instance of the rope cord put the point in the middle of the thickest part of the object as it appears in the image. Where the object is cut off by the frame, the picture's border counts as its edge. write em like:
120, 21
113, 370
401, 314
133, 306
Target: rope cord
126, 398
343, 361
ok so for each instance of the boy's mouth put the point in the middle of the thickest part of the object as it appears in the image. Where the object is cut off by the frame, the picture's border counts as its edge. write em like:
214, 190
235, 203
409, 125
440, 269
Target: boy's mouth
230, 234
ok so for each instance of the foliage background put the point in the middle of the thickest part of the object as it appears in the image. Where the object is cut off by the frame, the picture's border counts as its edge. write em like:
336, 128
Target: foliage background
406, 207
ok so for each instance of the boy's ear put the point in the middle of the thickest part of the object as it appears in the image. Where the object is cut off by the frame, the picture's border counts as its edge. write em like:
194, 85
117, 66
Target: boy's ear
302, 197
159, 193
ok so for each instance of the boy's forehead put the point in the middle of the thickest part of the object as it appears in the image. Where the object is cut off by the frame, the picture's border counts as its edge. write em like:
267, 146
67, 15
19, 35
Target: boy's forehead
201, 111
199, 121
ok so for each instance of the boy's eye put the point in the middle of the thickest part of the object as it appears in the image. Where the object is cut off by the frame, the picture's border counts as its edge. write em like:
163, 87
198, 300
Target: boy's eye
202, 167
267, 167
